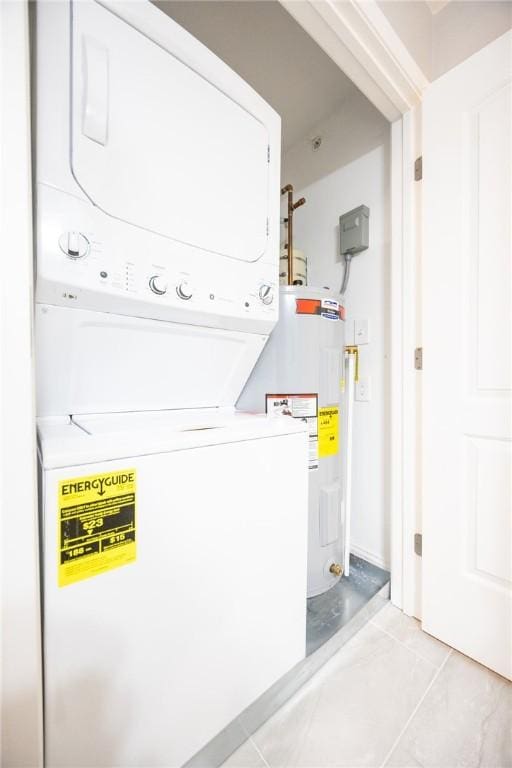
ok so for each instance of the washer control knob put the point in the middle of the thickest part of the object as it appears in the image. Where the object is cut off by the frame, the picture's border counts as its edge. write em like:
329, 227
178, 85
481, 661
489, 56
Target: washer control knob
184, 291
266, 294
158, 285
74, 245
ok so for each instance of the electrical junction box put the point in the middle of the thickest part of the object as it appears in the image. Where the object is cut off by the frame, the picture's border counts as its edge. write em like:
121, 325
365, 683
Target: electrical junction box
355, 230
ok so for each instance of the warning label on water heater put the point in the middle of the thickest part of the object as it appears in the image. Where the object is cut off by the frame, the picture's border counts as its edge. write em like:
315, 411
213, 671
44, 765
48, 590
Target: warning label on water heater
326, 308
96, 524
299, 406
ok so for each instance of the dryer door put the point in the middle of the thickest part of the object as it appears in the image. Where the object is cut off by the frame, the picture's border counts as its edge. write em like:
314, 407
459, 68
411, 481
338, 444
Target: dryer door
156, 144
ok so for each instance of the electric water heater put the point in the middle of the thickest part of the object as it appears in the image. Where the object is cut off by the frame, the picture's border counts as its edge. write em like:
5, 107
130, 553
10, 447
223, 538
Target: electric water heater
300, 373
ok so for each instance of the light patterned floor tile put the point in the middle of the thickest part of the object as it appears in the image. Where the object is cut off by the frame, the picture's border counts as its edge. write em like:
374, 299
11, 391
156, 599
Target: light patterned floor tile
408, 631
464, 721
353, 710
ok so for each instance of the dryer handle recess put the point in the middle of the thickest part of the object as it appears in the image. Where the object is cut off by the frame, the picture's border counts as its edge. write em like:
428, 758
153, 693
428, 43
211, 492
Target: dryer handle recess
95, 90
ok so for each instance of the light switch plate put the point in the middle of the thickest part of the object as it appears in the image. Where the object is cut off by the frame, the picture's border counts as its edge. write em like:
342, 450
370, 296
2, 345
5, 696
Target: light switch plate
361, 331
363, 390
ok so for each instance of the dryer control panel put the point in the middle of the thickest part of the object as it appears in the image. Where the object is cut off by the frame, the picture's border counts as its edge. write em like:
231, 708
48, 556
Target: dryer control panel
90, 261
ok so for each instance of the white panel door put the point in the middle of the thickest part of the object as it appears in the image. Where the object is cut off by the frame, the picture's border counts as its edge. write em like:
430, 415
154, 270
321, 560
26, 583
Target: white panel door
467, 565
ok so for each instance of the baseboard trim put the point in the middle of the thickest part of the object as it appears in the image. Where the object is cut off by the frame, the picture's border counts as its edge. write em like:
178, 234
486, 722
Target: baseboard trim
370, 557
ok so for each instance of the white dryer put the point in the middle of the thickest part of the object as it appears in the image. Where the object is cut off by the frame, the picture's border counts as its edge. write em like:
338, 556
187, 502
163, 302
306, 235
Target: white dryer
173, 548
157, 198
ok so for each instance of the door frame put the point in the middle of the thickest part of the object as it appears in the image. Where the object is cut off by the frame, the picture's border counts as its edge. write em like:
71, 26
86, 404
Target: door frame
21, 702
405, 384
360, 40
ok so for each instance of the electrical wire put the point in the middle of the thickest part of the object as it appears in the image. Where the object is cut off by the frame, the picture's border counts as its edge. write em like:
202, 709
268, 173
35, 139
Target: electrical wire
346, 273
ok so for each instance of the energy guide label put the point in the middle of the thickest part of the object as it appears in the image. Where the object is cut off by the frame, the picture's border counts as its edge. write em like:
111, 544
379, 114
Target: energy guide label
328, 431
96, 524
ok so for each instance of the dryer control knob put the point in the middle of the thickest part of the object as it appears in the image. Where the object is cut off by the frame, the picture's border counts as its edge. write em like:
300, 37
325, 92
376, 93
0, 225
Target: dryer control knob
74, 244
158, 285
266, 294
184, 291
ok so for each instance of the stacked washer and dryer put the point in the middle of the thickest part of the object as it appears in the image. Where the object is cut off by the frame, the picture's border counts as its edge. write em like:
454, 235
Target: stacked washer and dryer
174, 546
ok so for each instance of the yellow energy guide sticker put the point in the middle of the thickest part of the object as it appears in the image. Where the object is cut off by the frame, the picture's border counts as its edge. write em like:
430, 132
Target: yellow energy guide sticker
96, 524
328, 431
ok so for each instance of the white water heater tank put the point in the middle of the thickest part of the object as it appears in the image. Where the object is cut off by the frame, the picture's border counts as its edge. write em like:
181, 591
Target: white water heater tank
300, 373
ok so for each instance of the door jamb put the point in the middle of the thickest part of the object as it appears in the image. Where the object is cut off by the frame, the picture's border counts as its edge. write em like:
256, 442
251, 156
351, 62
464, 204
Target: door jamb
360, 40
405, 485
21, 692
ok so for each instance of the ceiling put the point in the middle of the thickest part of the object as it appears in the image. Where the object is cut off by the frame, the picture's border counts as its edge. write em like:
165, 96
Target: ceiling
263, 44
436, 5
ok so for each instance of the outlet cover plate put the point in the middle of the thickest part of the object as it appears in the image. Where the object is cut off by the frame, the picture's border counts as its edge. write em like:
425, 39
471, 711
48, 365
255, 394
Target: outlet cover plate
363, 390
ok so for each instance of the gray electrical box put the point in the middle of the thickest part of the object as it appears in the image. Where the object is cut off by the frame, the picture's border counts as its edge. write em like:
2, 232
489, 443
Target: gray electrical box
355, 230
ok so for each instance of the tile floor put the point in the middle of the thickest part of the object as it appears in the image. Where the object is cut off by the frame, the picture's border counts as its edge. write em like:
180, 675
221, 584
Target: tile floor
392, 696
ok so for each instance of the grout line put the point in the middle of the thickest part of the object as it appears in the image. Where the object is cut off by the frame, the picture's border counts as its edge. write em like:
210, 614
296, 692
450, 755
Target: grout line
258, 750
416, 708
250, 740
404, 645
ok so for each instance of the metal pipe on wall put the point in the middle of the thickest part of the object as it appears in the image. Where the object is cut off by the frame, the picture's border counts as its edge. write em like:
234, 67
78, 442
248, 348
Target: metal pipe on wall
288, 190
351, 376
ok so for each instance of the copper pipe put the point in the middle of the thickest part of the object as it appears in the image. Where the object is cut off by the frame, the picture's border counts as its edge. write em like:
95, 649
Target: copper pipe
354, 350
288, 190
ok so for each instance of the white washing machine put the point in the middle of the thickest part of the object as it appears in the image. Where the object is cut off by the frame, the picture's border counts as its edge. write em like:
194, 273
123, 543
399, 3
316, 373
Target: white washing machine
173, 550
174, 579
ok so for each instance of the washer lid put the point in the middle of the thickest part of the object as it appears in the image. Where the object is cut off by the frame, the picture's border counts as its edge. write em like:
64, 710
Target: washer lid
179, 422
156, 139
91, 438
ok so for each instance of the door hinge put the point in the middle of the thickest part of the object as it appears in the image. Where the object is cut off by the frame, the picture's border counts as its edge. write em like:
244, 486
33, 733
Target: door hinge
418, 544
418, 358
418, 168
268, 153
268, 226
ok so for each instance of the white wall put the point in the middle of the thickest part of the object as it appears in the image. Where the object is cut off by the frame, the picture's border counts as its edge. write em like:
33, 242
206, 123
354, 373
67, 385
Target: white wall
20, 686
463, 28
440, 41
363, 180
351, 131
